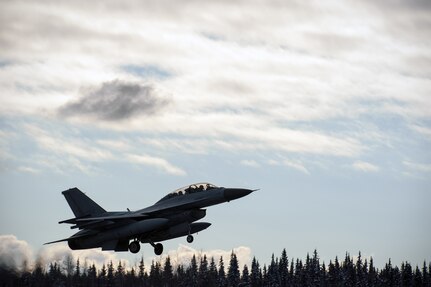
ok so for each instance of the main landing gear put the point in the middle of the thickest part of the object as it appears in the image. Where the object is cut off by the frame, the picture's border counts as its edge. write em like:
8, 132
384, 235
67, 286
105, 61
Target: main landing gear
158, 248
134, 246
189, 238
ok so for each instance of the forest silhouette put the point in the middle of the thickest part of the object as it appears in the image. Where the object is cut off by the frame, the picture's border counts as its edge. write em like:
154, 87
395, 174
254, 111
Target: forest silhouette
203, 271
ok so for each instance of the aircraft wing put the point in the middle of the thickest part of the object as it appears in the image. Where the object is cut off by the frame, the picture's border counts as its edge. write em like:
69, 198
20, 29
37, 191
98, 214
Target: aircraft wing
113, 217
99, 222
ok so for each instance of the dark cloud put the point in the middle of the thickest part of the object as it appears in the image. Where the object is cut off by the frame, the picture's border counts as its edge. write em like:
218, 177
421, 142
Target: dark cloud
116, 100
409, 21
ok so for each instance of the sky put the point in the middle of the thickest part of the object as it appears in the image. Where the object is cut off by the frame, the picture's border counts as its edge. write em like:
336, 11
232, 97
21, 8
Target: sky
323, 106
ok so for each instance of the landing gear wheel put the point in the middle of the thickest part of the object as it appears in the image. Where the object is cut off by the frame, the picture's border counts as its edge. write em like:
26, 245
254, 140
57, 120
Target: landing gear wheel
134, 246
189, 238
158, 248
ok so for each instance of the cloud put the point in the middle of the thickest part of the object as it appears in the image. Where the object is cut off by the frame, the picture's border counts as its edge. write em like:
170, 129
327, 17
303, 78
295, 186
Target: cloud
418, 167
65, 150
17, 255
261, 77
14, 254
58, 144
425, 131
28, 169
156, 162
114, 101
365, 166
59, 251
250, 163
295, 164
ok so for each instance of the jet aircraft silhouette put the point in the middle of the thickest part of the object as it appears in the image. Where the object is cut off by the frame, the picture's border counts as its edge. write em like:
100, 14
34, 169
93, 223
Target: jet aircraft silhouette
172, 216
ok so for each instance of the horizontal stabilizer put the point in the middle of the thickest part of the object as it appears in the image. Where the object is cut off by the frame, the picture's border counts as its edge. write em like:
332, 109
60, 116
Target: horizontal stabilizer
69, 221
78, 235
61, 240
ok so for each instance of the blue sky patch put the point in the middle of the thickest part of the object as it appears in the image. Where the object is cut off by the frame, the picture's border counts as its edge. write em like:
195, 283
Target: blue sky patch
147, 71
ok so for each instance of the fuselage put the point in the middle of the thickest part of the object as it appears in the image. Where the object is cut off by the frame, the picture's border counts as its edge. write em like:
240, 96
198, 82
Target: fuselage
174, 215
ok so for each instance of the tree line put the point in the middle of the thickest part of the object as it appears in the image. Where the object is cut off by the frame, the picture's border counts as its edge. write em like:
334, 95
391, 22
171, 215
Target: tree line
211, 272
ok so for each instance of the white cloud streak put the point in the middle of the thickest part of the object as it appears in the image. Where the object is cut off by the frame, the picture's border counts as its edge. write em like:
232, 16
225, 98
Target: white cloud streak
250, 163
418, 167
74, 147
295, 164
365, 166
425, 131
156, 162
81, 153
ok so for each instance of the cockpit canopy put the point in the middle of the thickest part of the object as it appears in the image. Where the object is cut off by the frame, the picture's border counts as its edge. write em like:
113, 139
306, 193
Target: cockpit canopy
196, 187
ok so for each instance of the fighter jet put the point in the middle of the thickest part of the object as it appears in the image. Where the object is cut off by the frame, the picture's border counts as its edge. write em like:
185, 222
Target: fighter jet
173, 216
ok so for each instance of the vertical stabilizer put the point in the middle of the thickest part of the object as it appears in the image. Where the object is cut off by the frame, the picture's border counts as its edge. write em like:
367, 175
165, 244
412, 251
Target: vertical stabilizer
81, 204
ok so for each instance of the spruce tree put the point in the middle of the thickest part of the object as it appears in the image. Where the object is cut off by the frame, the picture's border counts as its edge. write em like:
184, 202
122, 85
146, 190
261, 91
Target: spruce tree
221, 274
102, 276
360, 278
192, 272
245, 277
77, 274
386, 275
425, 275
283, 268
203, 272
348, 271
255, 277
417, 278
119, 275
406, 274
372, 274
167, 278
212, 276
38, 277
130, 278
315, 269
180, 276
291, 273
396, 276
265, 281
273, 279
155, 274
91, 276
141, 273
323, 275
110, 276
233, 276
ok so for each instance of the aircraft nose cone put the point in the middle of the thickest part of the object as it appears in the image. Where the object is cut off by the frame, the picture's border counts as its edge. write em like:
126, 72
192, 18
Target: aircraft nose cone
235, 193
